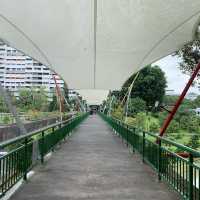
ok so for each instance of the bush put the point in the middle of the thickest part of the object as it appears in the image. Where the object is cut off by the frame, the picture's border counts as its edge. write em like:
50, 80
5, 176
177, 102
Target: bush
6, 119
136, 105
173, 127
34, 114
154, 126
131, 121
118, 113
141, 120
194, 142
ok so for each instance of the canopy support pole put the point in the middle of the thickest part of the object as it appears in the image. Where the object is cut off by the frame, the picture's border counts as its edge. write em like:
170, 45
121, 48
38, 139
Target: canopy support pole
129, 94
179, 101
59, 96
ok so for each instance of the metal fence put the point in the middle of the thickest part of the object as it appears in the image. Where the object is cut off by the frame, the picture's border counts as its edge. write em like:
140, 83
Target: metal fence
17, 154
178, 169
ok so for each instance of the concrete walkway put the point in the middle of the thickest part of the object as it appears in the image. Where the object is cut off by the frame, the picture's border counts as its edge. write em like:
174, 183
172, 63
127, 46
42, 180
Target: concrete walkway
94, 164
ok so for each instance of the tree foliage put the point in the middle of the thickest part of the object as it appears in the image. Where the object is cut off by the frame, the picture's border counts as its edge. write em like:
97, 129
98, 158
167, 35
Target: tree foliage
136, 105
173, 127
188, 56
3, 106
32, 99
196, 102
154, 126
141, 121
53, 105
194, 141
149, 86
118, 113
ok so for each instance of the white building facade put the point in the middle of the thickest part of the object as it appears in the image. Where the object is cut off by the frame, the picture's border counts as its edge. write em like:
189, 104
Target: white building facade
18, 71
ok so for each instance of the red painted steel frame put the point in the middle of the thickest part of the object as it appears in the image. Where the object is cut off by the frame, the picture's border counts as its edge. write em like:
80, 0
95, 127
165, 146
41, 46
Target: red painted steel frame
59, 93
179, 101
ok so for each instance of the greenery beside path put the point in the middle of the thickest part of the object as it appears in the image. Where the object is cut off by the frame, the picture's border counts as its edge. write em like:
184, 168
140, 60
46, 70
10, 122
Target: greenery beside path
35, 104
142, 112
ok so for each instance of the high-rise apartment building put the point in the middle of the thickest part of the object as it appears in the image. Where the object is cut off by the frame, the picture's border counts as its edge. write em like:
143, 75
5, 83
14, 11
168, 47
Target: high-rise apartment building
19, 71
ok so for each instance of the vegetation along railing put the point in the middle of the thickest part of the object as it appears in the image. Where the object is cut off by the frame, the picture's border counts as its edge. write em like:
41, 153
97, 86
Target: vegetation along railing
20, 154
173, 162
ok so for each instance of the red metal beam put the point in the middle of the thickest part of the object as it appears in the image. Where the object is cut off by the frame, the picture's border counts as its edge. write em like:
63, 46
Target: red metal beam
60, 98
179, 101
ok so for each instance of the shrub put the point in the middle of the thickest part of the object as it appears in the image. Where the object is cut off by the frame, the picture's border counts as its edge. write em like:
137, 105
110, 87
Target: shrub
6, 119
136, 105
173, 127
154, 126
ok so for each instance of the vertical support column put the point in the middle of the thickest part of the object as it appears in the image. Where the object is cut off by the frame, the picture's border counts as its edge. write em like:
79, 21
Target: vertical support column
191, 159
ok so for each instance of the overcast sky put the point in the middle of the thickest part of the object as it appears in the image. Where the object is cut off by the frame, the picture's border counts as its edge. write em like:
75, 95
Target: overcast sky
175, 78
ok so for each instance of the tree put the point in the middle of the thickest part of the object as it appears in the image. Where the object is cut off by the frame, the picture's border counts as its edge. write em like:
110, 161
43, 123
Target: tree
194, 142
189, 56
118, 113
136, 105
154, 126
141, 121
173, 127
3, 107
115, 93
53, 104
6, 119
40, 101
149, 86
170, 100
196, 102
25, 99
32, 99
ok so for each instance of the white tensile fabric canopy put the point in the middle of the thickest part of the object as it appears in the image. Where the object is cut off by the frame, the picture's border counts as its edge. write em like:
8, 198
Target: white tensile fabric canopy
98, 44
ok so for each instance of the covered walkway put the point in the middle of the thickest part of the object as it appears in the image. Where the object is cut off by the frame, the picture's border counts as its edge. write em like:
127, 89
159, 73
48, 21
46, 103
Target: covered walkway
94, 164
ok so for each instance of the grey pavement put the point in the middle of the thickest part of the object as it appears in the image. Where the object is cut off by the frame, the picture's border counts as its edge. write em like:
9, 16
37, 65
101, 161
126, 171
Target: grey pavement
94, 164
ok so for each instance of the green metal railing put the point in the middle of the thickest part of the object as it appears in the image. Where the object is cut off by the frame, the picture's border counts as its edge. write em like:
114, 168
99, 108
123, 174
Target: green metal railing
180, 170
19, 152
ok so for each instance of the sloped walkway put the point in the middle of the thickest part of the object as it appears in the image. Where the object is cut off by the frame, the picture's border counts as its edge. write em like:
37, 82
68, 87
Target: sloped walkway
94, 164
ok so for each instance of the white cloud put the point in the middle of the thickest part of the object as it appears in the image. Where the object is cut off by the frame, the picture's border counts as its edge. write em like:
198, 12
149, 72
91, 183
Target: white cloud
175, 78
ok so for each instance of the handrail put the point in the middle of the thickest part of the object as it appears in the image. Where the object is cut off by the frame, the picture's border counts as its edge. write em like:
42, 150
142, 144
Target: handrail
183, 147
21, 155
31, 134
182, 173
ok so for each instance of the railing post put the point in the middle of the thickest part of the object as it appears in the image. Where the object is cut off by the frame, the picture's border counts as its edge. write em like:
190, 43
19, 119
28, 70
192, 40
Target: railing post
133, 144
159, 159
64, 131
143, 145
42, 150
127, 138
25, 158
53, 130
120, 131
191, 159
60, 134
